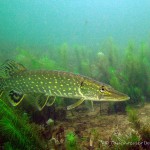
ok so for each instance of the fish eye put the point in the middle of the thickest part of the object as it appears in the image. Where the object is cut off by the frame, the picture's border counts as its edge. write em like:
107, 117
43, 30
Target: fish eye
102, 89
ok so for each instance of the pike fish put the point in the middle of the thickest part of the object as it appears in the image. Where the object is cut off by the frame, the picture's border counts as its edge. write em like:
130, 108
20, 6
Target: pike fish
48, 84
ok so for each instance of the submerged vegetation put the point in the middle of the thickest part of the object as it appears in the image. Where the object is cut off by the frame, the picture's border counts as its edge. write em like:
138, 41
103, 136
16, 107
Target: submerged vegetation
16, 131
71, 141
127, 71
142, 128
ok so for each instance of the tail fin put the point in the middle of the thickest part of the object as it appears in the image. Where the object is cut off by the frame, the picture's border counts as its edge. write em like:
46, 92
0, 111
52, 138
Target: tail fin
9, 68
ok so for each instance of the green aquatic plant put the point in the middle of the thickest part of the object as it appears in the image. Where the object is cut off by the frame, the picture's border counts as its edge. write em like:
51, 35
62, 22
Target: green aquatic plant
71, 138
32, 61
122, 141
22, 54
8, 146
26, 56
16, 130
47, 63
133, 117
102, 67
125, 141
135, 63
85, 67
82, 59
71, 141
9, 130
64, 55
112, 53
114, 80
144, 56
145, 132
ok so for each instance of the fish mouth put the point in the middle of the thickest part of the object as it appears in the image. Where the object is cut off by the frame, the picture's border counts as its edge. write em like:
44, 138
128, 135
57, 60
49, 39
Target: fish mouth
115, 96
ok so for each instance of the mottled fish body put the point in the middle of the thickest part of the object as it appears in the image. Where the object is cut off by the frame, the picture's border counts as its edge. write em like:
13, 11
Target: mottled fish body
55, 83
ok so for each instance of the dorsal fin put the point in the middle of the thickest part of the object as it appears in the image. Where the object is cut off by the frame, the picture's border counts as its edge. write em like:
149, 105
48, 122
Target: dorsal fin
9, 68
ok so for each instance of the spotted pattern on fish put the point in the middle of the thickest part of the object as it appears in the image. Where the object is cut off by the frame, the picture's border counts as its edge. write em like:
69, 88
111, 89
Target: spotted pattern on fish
56, 83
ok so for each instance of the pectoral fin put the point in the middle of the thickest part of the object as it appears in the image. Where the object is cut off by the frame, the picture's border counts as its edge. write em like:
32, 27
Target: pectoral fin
15, 97
50, 101
75, 104
41, 101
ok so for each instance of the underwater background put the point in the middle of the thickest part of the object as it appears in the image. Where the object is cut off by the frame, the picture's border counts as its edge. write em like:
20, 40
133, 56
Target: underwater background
108, 41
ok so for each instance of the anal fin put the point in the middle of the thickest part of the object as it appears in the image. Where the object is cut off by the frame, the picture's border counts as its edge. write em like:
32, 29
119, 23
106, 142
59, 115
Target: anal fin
75, 104
15, 97
41, 101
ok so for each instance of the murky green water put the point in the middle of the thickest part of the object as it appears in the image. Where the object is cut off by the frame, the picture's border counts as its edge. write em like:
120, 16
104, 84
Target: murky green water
107, 41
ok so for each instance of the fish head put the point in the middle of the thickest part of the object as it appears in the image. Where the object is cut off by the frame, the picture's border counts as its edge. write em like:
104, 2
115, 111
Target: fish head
108, 93
97, 91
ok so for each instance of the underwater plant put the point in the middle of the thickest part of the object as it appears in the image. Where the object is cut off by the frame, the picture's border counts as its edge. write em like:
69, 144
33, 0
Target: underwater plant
16, 130
25, 56
33, 61
114, 79
82, 60
145, 133
85, 67
143, 130
112, 53
71, 141
64, 55
8, 146
133, 117
125, 141
47, 63
134, 65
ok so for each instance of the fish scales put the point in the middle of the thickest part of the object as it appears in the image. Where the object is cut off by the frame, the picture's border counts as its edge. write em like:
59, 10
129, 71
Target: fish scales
55, 83
47, 84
